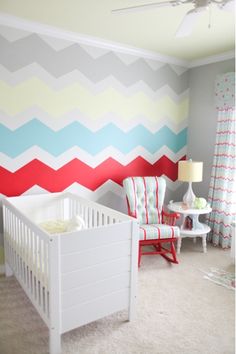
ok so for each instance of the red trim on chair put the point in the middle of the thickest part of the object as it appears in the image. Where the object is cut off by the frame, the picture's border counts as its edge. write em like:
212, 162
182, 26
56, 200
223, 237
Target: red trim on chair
158, 213
145, 193
130, 213
135, 200
170, 218
159, 249
144, 232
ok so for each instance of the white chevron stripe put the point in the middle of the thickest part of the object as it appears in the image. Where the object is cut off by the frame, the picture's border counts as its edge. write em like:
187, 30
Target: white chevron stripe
103, 195
93, 161
94, 51
35, 70
56, 43
114, 201
107, 187
127, 59
35, 190
12, 34
57, 123
179, 70
154, 64
109, 194
84, 192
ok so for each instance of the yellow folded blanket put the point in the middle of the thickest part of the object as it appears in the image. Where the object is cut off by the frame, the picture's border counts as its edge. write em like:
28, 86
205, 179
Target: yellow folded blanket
61, 226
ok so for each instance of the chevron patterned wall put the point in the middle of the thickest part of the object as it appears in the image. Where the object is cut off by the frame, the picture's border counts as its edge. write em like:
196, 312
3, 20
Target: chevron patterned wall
81, 118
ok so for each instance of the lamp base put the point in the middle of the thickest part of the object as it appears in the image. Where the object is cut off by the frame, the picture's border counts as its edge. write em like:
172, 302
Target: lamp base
189, 196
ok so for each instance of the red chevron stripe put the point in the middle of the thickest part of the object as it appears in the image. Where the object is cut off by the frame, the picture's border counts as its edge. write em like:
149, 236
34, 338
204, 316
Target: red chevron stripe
38, 173
225, 155
225, 109
225, 143
222, 189
222, 201
217, 211
214, 221
226, 120
225, 167
221, 235
226, 132
224, 178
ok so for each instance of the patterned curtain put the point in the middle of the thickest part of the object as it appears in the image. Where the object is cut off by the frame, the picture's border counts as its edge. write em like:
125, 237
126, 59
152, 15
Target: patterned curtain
222, 191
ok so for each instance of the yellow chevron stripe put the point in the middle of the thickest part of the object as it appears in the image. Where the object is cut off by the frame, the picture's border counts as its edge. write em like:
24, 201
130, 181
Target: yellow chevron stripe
35, 92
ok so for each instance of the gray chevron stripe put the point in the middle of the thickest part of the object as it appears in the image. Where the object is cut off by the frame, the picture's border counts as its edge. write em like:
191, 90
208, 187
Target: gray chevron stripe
15, 55
34, 70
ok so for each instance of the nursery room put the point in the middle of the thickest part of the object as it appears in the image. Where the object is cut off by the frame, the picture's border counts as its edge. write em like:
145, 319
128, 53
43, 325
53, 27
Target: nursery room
117, 177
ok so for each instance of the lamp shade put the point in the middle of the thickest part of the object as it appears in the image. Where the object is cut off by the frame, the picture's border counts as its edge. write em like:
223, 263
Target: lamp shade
190, 171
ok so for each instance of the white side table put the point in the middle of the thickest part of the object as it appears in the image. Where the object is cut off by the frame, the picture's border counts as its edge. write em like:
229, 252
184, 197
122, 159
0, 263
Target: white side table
190, 225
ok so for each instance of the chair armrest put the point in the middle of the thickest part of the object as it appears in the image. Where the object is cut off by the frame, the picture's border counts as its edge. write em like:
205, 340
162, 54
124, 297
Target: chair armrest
169, 218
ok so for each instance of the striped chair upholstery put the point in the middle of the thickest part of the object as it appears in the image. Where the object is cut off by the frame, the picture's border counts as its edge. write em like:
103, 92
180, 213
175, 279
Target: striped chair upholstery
153, 231
145, 198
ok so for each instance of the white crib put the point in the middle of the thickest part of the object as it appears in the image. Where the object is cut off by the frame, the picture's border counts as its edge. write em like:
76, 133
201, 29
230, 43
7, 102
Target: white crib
71, 278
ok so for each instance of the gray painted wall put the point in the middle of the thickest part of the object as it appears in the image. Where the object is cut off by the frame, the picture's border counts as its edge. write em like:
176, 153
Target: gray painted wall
203, 118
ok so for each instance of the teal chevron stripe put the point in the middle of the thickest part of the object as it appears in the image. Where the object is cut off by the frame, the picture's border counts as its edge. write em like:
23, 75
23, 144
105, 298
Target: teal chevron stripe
15, 142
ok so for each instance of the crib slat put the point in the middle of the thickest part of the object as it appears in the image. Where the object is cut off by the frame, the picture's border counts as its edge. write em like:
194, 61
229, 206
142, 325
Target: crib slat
46, 275
6, 219
6, 222
98, 218
90, 225
95, 273
14, 242
27, 258
13, 226
76, 241
40, 273
93, 257
91, 291
20, 251
17, 246
12, 231
23, 251
35, 265
31, 263
93, 310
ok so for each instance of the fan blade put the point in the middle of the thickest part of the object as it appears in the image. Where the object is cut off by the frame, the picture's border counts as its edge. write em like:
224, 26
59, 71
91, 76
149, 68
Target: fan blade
189, 21
229, 6
145, 7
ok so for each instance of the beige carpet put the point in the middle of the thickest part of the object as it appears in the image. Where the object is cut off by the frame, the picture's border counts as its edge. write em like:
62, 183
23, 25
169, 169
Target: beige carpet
178, 312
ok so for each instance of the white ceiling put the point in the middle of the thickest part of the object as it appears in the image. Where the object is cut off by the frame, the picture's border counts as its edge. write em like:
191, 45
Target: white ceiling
152, 30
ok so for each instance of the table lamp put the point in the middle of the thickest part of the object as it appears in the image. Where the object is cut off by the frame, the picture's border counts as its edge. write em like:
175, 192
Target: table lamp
189, 171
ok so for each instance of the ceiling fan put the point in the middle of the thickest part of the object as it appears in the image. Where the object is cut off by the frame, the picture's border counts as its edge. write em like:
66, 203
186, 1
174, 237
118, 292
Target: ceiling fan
190, 18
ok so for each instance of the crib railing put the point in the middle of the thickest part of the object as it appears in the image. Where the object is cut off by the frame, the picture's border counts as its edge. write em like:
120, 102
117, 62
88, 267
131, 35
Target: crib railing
60, 273
92, 215
32, 253
26, 253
